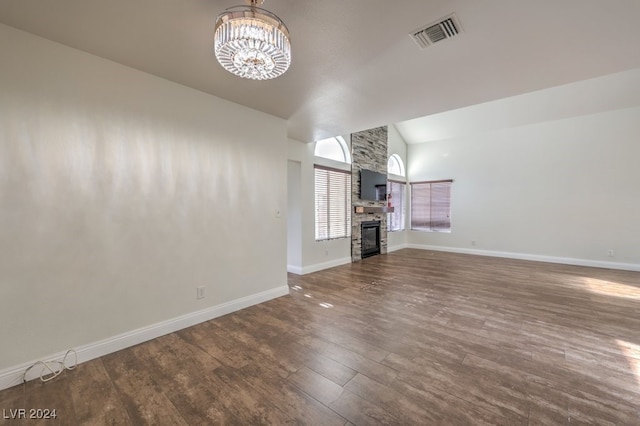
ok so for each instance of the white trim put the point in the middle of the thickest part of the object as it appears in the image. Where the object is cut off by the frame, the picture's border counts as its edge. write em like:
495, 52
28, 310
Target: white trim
533, 257
397, 247
325, 265
13, 375
397, 178
294, 269
345, 148
327, 162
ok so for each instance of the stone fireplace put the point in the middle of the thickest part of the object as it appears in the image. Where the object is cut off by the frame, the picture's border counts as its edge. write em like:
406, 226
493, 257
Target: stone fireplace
369, 152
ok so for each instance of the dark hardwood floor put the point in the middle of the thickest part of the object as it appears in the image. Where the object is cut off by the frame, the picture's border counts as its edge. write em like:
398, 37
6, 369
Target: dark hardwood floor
413, 337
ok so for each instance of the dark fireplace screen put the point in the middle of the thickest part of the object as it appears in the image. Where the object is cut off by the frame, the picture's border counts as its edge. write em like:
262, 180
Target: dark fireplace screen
370, 238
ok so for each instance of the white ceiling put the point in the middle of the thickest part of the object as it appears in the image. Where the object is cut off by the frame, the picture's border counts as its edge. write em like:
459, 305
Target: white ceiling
611, 92
354, 65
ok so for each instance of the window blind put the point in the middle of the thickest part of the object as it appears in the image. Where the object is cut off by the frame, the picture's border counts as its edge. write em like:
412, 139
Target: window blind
431, 205
396, 191
333, 203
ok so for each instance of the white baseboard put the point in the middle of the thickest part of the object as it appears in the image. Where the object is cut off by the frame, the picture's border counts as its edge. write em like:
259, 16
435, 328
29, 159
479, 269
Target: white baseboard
294, 269
325, 265
533, 257
13, 375
332, 263
397, 247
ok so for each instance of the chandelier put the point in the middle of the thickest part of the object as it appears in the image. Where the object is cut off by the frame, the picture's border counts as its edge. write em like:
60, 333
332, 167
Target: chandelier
252, 42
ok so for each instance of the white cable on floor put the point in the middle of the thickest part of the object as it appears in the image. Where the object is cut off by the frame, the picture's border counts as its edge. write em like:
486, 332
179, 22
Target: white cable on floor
55, 367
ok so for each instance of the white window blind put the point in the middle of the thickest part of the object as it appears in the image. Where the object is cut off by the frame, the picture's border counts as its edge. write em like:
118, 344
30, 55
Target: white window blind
396, 191
333, 203
431, 205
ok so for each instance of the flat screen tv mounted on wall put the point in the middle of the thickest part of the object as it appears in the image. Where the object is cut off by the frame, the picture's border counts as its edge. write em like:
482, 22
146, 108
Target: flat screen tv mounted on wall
373, 185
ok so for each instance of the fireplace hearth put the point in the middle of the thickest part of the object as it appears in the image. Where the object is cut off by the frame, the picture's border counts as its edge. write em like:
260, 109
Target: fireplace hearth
370, 238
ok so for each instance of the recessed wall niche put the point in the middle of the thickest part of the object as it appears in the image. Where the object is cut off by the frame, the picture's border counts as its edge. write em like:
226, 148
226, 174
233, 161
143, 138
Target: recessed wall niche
369, 152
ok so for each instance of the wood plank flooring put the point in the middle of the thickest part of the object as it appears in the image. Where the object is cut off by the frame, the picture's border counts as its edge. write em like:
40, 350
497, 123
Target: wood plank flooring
412, 337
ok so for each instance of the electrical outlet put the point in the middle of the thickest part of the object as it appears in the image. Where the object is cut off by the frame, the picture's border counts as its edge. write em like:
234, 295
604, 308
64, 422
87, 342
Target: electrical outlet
200, 292
610, 253
473, 243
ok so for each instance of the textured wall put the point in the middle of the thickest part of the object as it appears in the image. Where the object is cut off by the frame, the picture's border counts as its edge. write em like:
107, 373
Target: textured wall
368, 151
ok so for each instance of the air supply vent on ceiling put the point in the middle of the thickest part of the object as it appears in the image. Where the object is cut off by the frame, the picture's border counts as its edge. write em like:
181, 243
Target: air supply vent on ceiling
435, 32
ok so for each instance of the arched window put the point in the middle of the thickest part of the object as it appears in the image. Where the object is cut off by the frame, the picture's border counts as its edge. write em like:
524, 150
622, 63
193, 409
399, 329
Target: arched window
333, 149
333, 190
396, 191
395, 165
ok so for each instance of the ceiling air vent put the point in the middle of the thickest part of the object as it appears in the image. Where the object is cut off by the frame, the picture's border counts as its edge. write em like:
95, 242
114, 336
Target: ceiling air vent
435, 32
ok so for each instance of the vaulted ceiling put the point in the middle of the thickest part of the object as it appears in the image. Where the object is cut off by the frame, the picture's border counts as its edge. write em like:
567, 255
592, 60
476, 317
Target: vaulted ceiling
354, 64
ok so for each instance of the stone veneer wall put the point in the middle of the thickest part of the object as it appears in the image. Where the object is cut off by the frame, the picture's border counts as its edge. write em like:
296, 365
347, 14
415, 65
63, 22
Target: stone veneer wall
368, 151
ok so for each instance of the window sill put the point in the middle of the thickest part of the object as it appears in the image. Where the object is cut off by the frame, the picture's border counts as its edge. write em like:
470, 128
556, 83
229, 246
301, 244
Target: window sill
439, 231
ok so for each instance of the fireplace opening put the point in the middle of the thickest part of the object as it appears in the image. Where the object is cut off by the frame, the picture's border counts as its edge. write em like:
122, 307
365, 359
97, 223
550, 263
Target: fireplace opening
370, 238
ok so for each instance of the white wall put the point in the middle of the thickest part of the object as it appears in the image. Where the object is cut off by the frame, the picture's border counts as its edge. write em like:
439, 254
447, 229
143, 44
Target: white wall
121, 193
397, 145
294, 216
564, 189
316, 255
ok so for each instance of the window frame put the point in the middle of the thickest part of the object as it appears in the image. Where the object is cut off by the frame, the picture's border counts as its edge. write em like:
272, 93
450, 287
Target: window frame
429, 224
398, 160
342, 144
399, 209
341, 214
